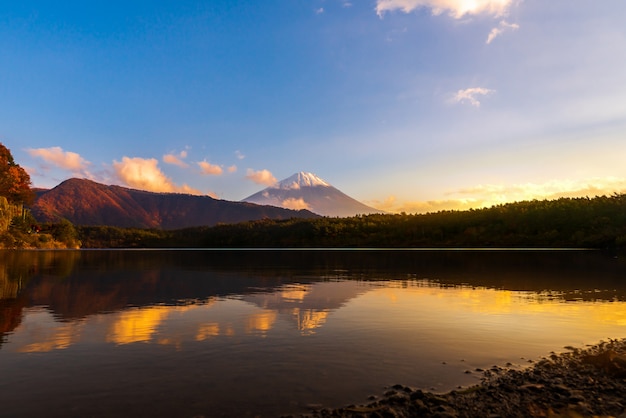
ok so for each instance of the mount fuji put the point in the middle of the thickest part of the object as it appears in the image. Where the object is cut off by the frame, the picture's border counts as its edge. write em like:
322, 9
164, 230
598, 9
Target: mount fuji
307, 191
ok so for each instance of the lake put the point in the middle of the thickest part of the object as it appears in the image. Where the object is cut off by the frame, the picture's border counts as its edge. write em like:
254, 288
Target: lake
187, 333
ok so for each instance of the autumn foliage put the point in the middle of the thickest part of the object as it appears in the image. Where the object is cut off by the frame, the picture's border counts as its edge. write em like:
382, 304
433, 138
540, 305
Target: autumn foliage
14, 180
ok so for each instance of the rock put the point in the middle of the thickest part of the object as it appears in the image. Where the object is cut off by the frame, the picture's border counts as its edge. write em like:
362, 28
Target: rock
580, 383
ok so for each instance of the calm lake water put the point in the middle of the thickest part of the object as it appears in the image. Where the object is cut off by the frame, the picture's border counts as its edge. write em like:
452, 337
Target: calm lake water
186, 333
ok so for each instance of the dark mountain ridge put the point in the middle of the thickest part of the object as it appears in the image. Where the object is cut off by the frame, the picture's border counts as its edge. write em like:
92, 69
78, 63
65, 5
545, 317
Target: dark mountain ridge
85, 202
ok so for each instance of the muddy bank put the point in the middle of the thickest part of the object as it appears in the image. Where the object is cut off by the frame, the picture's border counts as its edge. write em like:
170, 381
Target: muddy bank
578, 383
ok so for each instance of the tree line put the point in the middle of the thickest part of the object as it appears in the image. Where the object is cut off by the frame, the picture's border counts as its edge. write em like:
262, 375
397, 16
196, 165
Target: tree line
598, 222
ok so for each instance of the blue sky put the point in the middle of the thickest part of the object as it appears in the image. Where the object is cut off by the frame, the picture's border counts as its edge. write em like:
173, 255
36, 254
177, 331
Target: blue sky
406, 105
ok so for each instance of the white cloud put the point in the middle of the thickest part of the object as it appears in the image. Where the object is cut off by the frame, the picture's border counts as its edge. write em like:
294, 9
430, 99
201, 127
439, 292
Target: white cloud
210, 169
239, 155
455, 8
319, 11
295, 204
261, 177
144, 174
63, 159
497, 31
176, 159
470, 95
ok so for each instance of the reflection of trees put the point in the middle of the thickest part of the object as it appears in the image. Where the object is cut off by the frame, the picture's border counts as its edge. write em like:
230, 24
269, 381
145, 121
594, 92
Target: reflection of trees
17, 271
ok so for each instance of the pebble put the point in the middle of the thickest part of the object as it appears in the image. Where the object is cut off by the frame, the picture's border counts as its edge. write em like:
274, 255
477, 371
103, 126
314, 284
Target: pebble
570, 384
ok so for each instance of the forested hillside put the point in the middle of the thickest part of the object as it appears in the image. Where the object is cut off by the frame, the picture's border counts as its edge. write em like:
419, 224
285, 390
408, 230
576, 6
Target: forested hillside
598, 222
85, 202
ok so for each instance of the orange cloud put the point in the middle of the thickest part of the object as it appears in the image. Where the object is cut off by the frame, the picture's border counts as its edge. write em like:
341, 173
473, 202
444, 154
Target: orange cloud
176, 159
295, 204
210, 169
261, 177
144, 174
63, 159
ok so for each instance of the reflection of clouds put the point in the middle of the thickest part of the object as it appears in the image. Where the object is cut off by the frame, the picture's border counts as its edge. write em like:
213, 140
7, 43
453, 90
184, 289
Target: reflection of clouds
294, 293
308, 320
48, 337
208, 330
262, 321
488, 301
136, 325
544, 311
304, 309
609, 313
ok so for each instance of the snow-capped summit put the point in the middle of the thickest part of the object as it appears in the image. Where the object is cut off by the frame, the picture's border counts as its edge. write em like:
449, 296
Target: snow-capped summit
307, 191
299, 180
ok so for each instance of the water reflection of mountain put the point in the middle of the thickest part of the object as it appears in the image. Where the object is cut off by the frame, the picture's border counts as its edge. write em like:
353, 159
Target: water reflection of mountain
308, 305
75, 284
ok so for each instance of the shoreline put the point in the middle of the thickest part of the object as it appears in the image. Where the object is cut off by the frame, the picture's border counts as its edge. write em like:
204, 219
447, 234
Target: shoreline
579, 383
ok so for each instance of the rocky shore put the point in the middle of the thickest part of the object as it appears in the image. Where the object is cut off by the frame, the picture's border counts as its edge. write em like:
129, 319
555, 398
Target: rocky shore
588, 382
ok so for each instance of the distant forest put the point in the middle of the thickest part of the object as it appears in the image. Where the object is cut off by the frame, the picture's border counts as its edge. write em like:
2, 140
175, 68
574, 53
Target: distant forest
598, 223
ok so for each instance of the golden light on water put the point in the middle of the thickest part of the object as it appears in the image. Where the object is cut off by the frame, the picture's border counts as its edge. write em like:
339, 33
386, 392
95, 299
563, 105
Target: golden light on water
508, 314
138, 325
54, 338
308, 320
208, 330
294, 294
414, 305
262, 321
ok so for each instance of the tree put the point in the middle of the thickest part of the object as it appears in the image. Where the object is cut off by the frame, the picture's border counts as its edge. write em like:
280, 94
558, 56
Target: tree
14, 180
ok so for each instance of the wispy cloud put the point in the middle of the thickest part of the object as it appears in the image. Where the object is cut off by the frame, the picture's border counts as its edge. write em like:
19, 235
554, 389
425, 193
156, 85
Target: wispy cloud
264, 177
232, 169
210, 169
455, 8
471, 95
144, 174
239, 155
62, 159
497, 31
176, 159
319, 11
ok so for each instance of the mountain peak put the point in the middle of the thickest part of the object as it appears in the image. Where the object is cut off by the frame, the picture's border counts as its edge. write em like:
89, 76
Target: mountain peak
307, 191
301, 179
